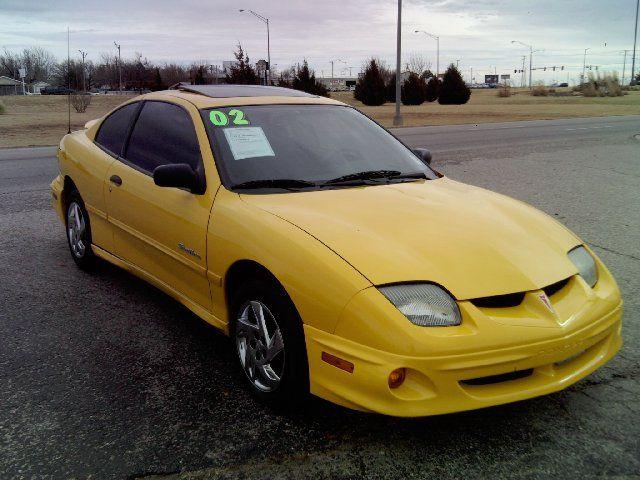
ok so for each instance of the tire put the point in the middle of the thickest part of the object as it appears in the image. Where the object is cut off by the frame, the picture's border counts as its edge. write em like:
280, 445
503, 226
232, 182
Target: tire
290, 364
78, 229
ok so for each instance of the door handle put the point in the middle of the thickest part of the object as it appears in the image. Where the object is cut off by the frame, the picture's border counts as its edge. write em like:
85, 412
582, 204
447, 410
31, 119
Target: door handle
116, 179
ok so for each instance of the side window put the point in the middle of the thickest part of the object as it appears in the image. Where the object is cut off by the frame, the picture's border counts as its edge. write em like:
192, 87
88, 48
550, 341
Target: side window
114, 129
163, 134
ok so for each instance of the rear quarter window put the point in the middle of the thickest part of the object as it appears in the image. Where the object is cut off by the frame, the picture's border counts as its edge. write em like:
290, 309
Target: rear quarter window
114, 129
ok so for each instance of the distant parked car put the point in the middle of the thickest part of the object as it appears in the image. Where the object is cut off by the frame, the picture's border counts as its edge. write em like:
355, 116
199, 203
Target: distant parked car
56, 91
563, 84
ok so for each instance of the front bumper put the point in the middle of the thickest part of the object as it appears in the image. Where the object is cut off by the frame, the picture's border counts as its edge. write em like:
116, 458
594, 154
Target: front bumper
437, 385
57, 186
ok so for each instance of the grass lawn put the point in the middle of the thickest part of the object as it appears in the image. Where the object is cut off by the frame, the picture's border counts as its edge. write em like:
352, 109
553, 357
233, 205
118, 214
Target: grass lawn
486, 106
42, 119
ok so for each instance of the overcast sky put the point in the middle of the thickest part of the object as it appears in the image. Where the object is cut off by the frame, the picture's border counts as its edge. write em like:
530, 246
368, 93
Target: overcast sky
478, 33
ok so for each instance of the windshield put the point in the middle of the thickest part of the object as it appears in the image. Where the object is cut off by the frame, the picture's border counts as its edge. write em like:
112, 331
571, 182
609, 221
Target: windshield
305, 146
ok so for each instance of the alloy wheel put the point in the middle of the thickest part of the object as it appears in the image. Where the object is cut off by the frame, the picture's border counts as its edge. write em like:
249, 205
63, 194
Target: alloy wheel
76, 227
260, 346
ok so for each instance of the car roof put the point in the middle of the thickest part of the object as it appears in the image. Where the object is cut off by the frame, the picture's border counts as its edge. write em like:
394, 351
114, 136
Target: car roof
208, 96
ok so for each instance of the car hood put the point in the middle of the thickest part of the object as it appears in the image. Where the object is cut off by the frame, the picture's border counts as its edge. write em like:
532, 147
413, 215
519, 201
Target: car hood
473, 242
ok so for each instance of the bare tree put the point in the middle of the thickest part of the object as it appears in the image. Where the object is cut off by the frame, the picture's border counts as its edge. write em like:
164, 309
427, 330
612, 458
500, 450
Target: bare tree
9, 63
418, 63
38, 63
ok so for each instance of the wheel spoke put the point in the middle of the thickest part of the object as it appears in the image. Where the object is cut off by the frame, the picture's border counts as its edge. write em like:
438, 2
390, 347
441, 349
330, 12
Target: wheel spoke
275, 345
77, 215
268, 376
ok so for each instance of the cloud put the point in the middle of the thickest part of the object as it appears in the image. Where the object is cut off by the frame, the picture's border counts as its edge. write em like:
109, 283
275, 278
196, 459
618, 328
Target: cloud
477, 33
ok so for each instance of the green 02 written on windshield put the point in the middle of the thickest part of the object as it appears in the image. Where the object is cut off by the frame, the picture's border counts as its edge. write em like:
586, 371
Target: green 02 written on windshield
301, 147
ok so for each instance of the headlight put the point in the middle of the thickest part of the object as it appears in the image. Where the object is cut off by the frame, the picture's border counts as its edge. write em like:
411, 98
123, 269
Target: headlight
424, 304
585, 264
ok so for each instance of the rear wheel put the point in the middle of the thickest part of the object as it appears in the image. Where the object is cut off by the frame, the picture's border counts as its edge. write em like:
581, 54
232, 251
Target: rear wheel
79, 232
269, 341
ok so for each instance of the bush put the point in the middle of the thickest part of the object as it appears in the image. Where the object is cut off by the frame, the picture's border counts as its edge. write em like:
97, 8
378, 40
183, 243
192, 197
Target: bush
371, 88
453, 91
504, 91
305, 80
414, 90
80, 101
601, 86
539, 90
434, 85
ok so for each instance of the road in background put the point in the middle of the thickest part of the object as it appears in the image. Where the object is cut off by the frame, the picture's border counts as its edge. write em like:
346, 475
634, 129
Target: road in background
101, 375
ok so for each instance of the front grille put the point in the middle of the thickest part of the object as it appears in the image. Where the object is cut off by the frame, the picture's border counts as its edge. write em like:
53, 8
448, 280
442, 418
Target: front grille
499, 301
504, 377
515, 299
555, 287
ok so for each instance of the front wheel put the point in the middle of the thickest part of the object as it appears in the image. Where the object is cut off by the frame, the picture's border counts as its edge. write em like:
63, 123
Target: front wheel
79, 232
270, 346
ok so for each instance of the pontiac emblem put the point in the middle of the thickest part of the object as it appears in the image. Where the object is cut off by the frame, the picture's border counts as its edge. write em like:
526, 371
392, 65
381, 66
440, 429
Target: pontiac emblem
547, 303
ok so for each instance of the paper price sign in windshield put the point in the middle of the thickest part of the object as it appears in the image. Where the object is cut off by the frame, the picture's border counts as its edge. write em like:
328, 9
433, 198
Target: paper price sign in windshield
248, 142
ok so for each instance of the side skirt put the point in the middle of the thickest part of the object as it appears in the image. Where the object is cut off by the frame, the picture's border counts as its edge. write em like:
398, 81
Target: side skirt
147, 277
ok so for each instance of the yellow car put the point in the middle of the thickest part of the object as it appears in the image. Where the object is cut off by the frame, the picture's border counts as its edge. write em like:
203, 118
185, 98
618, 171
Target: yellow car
337, 260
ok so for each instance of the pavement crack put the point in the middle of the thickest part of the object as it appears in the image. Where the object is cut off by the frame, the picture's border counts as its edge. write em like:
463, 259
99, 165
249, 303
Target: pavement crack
614, 251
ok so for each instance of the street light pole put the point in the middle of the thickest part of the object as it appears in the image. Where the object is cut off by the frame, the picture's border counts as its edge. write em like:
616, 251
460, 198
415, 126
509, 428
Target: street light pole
530, 47
266, 21
84, 81
584, 64
437, 39
397, 119
119, 67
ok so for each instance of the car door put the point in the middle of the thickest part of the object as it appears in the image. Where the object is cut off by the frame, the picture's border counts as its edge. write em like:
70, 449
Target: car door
161, 230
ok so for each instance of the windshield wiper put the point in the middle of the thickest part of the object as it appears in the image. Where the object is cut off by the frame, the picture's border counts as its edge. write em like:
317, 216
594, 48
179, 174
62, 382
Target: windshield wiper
366, 175
284, 183
373, 175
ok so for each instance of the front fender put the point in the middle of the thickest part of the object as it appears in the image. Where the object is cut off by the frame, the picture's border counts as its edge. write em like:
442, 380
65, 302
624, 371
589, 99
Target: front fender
319, 282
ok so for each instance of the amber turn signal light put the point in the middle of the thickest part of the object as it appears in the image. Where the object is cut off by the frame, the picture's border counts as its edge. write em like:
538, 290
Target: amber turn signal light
338, 362
396, 378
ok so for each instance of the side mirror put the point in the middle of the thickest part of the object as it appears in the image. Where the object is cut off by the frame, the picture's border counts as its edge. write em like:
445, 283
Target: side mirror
423, 154
177, 175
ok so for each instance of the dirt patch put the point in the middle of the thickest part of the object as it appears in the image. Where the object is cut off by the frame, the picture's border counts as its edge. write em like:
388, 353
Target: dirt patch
36, 120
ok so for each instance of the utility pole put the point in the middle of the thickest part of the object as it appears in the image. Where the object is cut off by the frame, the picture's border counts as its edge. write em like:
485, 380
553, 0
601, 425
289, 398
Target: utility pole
84, 81
457, 63
471, 75
635, 38
584, 63
332, 62
624, 65
266, 21
397, 119
524, 57
119, 67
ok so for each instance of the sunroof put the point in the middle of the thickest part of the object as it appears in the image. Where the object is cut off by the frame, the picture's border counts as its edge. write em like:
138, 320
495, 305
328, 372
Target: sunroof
228, 91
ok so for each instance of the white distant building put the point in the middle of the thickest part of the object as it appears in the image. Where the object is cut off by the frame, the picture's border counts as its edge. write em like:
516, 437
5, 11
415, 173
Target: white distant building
338, 84
37, 86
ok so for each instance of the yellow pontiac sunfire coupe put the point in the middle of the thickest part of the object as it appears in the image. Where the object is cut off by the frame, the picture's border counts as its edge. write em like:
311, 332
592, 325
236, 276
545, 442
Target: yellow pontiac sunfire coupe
337, 260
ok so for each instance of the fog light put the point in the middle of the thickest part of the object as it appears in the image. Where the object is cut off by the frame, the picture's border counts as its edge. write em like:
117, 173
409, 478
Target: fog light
396, 378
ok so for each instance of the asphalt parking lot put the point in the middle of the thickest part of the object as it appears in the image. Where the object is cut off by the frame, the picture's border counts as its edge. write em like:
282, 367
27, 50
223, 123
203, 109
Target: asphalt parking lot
103, 376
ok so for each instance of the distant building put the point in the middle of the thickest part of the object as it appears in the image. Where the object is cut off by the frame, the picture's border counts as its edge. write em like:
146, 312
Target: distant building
337, 84
9, 86
37, 86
